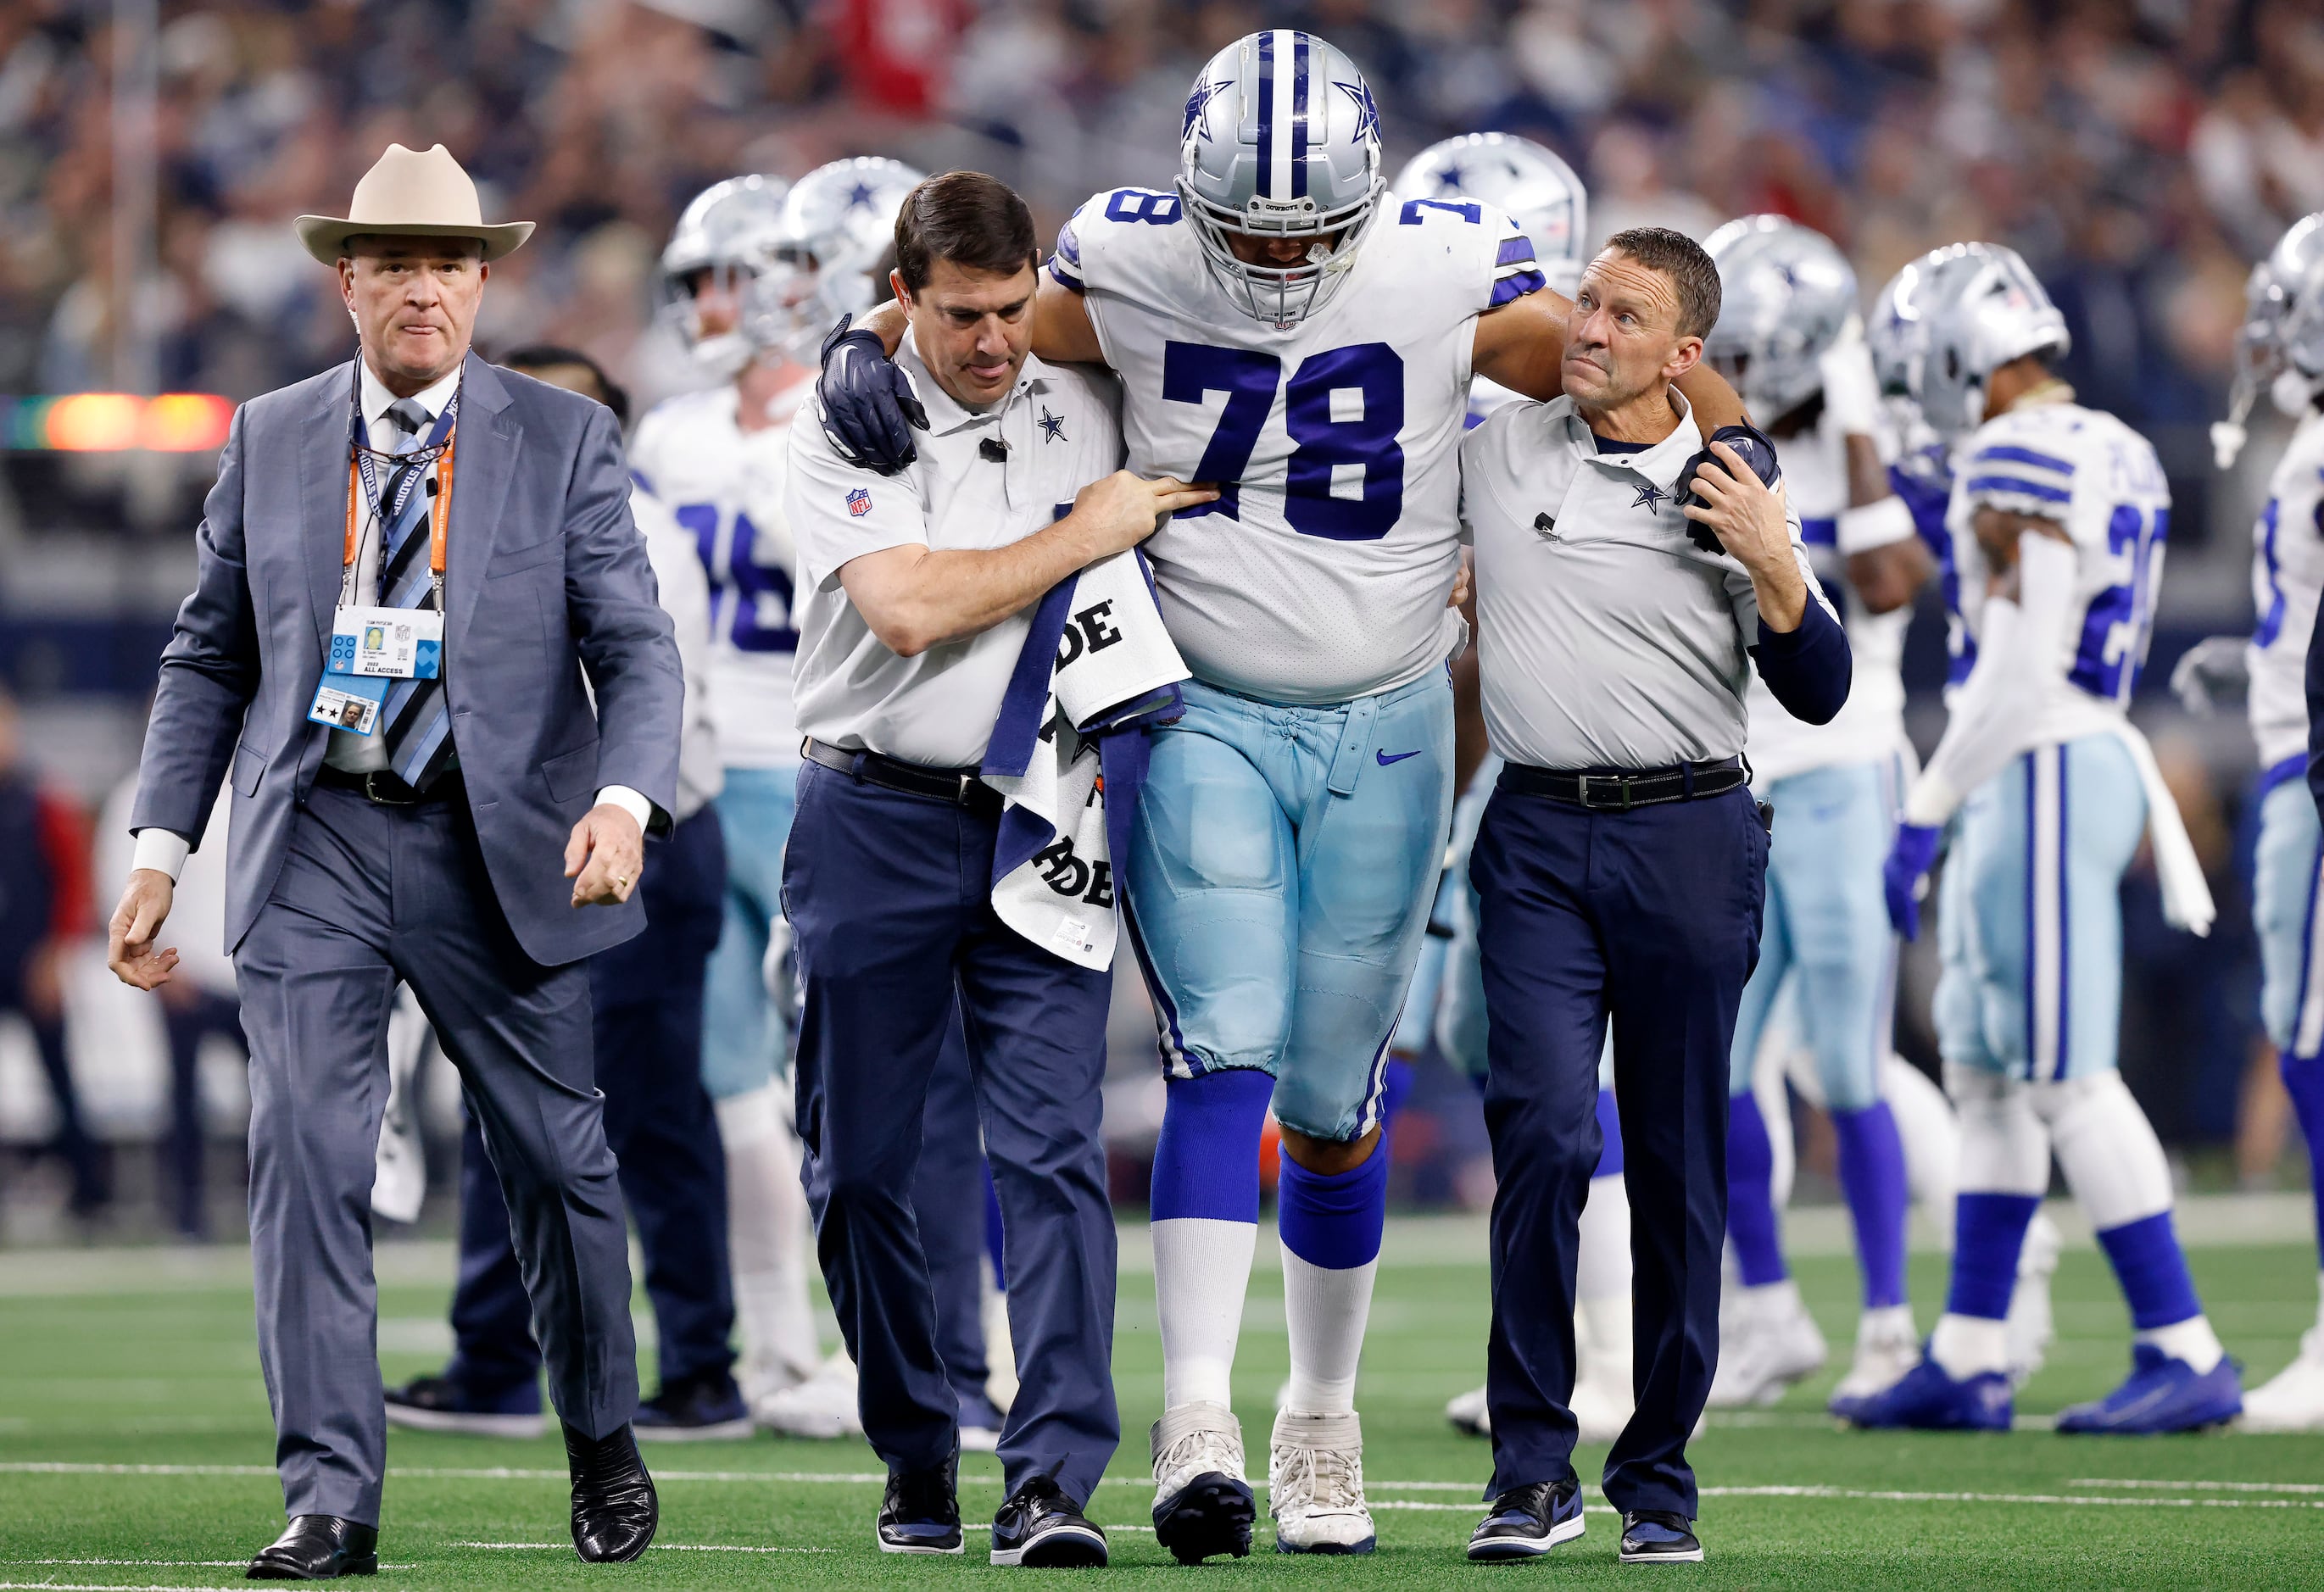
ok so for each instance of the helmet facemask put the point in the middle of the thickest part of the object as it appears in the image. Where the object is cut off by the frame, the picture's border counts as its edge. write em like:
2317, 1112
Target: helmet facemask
1281, 296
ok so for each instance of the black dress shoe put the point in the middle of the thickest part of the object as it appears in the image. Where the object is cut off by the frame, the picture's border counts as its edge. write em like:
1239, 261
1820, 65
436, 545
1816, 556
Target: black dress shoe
318, 1548
614, 1509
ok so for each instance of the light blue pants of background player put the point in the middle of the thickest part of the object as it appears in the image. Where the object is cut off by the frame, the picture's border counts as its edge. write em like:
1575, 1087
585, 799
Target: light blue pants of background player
2285, 904
1279, 885
745, 1040
2032, 986
1827, 927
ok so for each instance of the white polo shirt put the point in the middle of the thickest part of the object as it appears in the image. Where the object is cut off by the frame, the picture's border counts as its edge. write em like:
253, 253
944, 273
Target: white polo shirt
1063, 430
1606, 638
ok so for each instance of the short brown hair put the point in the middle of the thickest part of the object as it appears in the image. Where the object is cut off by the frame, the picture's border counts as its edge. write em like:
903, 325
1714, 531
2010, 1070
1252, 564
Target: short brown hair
1682, 260
976, 222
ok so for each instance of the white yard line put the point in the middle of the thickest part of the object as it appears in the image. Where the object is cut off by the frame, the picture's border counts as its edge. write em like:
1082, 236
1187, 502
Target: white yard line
2200, 1486
1883, 1495
659, 1546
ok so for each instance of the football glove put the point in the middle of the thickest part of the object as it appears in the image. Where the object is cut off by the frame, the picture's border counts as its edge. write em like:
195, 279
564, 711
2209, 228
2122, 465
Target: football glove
1757, 452
1904, 878
2213, 667
868, 407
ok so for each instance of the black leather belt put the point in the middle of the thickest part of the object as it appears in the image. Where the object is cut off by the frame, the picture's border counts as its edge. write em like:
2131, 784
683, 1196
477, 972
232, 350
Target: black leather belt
388, 790
960, 787
1618, 791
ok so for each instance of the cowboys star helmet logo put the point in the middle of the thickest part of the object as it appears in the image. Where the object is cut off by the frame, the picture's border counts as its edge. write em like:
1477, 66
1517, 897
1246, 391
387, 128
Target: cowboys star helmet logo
1368, 126
1197, 103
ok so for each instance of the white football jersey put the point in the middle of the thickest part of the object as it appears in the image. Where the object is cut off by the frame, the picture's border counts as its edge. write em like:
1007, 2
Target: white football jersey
1870, 725
725, 487
2102, 482
2287, 573
1322, 575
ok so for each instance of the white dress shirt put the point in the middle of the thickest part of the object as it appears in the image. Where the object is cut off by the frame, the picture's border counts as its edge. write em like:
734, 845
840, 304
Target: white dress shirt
165, 852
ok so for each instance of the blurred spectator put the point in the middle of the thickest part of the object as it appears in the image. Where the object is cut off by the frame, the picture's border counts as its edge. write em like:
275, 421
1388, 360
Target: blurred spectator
44, 905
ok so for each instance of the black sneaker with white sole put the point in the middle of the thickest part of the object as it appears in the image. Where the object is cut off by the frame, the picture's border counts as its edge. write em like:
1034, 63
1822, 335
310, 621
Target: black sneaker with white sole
921, 1511
1657, 1536
1527, 1522
1039, 1528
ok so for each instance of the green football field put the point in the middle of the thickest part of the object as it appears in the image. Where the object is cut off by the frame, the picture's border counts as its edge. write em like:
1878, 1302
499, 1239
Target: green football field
134, 1448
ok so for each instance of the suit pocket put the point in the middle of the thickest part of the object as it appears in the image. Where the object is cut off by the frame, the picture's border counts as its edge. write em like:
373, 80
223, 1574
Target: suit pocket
571, 773
249, 768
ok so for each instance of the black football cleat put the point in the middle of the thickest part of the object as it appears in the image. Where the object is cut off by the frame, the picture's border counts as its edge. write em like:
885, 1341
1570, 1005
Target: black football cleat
317, 1548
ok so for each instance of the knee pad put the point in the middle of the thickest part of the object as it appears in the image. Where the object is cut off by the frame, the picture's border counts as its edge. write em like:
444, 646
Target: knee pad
2005, 1148
2107, 1148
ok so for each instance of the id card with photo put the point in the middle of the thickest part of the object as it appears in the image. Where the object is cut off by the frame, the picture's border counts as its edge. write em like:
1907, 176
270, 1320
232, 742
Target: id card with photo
349, 702
386, 643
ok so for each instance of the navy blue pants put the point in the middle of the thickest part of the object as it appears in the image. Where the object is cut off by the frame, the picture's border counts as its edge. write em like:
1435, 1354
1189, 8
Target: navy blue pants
888, 897
646, 1007
192, 1016
1650, 917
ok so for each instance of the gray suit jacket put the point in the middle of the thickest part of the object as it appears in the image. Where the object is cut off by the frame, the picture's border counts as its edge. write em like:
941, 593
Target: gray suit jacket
545, 577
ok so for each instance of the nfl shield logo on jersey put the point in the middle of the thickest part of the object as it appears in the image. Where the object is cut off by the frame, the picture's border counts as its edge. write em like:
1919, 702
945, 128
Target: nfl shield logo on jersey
858, 502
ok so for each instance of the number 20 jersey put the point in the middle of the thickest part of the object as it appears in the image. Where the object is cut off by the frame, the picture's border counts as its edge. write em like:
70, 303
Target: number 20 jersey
1321, 573
2100, 481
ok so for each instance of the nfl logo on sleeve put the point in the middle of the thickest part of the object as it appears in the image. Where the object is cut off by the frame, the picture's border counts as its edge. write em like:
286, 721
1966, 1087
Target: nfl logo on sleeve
858, 502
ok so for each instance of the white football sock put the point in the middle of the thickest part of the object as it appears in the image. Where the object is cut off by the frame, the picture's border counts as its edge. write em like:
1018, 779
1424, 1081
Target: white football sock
1326, 1310
2192, 1340
1605, 1335
2320, 1298
1602, 1265
766, 1230
1768, 1302
1966, 1346
1931, 1136
1202, 1269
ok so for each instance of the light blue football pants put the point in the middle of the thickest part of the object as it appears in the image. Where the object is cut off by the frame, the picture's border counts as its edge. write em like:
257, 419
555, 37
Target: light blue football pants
2031, 920
1827, 923
1279, 884
745, 1038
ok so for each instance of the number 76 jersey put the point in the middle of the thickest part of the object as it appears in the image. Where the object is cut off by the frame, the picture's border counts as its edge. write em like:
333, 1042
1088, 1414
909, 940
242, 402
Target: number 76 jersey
1321, 573
2100, 481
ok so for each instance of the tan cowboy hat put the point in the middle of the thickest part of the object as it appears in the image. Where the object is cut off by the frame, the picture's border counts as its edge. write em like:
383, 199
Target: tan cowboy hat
412, 195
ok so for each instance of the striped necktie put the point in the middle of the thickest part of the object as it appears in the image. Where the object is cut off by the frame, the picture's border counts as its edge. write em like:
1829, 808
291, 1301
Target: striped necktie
416, 723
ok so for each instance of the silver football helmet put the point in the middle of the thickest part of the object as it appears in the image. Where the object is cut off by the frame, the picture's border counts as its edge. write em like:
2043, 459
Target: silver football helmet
2279, 347
1971, 307
1785, 296
1281, 140
1537, 189
839, 223
725, 237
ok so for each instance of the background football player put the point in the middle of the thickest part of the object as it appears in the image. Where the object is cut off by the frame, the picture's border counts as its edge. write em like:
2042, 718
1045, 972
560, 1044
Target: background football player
2057, 520
1288, 328
1789, 337
2282, 351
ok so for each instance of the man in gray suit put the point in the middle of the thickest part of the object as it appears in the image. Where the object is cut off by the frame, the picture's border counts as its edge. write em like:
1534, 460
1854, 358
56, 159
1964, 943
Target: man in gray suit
430, 842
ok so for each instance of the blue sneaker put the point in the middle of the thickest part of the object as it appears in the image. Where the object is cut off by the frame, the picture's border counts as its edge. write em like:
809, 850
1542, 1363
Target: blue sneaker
441, 1404
2163, 1394
707, 1408
1929, 1400
1657, 1536
1527, 1522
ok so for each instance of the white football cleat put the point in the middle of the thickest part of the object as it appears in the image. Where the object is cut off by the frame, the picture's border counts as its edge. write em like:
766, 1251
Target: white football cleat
2030, 1325
1202, 1503
1468, 1414
822, 1406
1315, 1484
1886, 1347
2292, 1400
1773, 1342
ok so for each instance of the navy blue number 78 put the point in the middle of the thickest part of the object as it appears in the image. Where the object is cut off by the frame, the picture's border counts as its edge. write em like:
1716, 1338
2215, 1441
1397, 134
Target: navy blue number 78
1365, 438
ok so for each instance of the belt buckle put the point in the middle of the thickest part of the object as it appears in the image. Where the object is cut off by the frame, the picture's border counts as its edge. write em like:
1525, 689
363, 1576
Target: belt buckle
372, 792
1620, 783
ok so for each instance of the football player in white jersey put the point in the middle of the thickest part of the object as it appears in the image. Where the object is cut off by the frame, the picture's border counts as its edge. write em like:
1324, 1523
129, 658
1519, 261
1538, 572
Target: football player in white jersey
1789, 339
2282, 349
1547, 201
1289, 329
2057, 522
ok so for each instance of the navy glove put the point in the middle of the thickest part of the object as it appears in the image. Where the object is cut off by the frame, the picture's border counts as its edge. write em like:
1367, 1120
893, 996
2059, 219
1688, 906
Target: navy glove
867, 405
1903, 878
1757, 452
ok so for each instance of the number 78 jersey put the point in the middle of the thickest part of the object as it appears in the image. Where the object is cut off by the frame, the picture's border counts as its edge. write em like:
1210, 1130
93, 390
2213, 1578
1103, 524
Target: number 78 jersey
1321, 573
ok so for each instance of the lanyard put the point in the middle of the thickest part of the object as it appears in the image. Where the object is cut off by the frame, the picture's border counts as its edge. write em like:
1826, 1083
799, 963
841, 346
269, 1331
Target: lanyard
362, 484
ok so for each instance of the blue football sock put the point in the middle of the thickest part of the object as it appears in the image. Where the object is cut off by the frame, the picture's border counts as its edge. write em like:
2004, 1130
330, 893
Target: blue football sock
1332, 1221
1989, 1231
1206, 1161
1751, 1195
1609, 1134
2153, 1271
1872, 1175
2303, 1080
